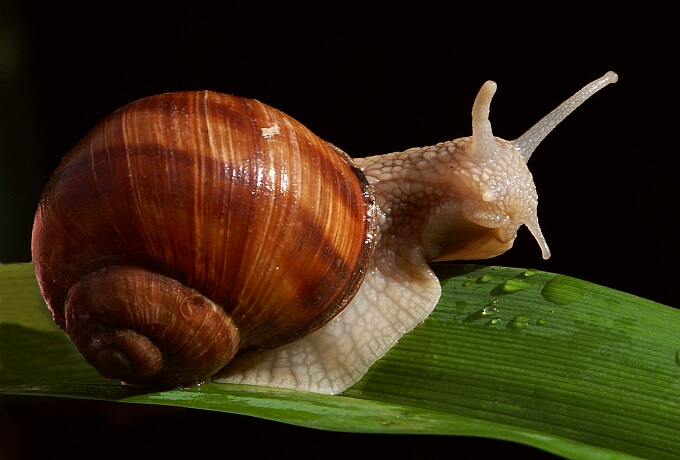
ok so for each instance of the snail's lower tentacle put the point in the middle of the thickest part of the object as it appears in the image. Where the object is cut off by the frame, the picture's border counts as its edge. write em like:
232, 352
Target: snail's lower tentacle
139, 326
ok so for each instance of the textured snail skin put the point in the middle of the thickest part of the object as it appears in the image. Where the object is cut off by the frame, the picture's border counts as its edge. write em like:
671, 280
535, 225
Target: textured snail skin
462, 199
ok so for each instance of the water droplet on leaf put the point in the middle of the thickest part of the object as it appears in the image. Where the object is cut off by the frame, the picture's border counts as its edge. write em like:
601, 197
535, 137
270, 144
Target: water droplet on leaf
514, 285
485, 278
562, 290
490, 309
519, 322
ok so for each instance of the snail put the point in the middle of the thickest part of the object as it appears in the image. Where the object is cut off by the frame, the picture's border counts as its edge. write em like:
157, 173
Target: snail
195, 235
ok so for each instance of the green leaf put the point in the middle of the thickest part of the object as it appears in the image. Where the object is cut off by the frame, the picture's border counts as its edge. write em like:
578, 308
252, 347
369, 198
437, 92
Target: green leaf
545, 360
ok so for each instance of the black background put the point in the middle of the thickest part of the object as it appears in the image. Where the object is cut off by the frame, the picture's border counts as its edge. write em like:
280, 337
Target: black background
370, 79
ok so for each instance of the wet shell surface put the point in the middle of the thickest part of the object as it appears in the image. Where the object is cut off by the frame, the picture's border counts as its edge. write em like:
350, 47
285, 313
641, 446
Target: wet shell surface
225, 195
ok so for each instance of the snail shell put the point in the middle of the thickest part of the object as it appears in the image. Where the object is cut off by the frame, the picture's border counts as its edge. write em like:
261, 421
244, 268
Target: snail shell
199, 235
186, 186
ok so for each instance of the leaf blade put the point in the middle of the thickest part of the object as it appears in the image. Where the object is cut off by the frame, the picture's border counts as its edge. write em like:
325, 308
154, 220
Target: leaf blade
532, 357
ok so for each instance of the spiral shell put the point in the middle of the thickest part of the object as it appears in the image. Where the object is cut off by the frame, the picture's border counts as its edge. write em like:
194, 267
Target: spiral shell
187, 206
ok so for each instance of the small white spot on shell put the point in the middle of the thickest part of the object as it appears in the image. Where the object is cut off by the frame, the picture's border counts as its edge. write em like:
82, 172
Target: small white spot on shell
270, 131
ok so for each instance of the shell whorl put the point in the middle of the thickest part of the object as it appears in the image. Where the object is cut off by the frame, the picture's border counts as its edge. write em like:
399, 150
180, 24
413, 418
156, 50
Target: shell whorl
228, 196
159, 331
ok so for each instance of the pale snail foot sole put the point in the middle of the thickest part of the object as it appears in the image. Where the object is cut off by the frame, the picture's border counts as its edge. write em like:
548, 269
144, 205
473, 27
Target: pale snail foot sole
333, 358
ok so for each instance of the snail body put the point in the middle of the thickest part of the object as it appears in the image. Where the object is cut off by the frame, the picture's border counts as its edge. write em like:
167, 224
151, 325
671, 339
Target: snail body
198, 235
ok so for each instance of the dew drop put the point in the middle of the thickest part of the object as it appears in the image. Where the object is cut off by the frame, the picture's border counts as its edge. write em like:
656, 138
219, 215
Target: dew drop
493, 321
531, 272
468, 283
514, 285
519, 322
541, 321
490, 309
562, 290
485, 278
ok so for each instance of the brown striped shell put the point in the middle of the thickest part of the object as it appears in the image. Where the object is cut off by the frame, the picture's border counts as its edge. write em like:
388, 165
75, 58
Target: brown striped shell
196, 207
